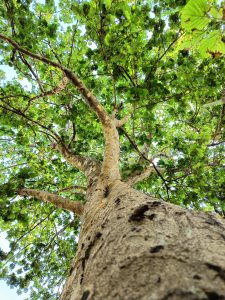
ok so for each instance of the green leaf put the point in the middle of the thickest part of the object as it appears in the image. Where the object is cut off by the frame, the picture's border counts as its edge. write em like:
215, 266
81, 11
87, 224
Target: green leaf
195, 15
217, 14
213, 43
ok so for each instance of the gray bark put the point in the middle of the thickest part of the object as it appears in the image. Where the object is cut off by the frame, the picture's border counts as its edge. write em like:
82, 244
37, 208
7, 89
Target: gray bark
134, 247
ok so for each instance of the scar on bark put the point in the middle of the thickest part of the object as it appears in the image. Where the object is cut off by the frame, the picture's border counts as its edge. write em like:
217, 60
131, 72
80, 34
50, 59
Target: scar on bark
89, 247
138, 214
197, 277
182, 294
106, 191
87, 253
85, 295
154, 203
156, 249
151, 217
71, 270
220, 272
212, 221
214, 296
117, 201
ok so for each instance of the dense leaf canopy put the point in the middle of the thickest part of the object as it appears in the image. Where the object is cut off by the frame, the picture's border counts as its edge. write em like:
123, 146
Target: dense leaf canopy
139, 58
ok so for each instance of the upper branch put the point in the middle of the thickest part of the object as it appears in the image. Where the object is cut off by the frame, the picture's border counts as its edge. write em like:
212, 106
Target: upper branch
140, 176
35, 75
110, 168
146, 158
65, 203
85, 92
52, 92
87, 165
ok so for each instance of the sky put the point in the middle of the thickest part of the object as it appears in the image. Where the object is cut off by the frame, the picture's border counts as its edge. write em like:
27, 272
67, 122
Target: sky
9, 294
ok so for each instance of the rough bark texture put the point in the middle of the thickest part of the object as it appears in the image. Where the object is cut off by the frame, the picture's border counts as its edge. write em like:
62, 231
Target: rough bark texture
133, 246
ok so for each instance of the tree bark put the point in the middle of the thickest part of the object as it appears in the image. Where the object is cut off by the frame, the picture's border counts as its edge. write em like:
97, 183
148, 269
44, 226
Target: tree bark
134, 247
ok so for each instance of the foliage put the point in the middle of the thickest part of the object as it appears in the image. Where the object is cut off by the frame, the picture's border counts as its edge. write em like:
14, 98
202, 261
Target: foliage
203, 22
124, 51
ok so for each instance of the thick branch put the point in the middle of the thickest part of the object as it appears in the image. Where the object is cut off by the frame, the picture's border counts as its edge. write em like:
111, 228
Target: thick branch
120, 123
73, 187
110, 168
85, 164
140, 176
74, 206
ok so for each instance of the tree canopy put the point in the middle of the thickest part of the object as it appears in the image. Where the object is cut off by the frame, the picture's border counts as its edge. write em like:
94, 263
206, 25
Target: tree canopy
158, 65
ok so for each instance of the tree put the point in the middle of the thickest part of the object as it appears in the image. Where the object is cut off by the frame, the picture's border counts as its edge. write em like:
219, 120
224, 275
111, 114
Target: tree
122, 123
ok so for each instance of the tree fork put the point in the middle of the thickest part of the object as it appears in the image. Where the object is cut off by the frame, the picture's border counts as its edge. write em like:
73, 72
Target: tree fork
111, 158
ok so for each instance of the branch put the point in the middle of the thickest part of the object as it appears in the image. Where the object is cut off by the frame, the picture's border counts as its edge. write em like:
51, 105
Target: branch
215, 144
12, 166
84, 91
120, 123
218, 102
146, 158
110, 169
160, 57
87, 165
23, 115
30, 230
140, 176
54, 91
32, 72
65, 203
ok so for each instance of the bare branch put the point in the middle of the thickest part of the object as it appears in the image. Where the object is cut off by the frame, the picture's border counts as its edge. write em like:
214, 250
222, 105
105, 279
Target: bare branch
73, 134
12, 166
218, 102
65, 203
120, 123
140, 176
72, 44
215, 144
84, 163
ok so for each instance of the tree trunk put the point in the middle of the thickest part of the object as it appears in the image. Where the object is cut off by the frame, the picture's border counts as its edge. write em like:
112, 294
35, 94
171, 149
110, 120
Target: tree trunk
134, 247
